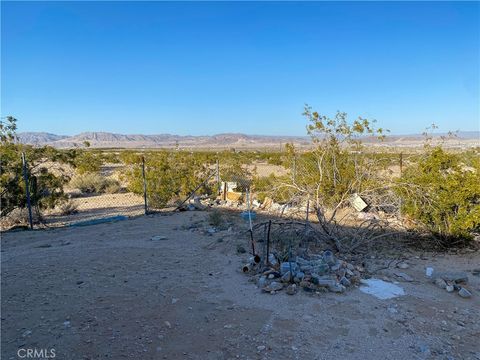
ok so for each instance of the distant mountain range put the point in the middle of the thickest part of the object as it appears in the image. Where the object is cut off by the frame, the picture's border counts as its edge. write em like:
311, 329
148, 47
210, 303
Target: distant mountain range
219, 141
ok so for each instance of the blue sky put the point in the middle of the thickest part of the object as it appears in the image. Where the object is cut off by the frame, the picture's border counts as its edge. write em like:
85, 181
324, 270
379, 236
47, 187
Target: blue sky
213, 67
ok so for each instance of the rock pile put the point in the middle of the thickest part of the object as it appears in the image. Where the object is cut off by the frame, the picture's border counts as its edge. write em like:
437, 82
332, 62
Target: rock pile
319, 273
452, 281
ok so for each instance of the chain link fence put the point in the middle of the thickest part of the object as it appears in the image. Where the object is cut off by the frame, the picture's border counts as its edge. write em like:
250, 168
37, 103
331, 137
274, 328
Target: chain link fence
143, 183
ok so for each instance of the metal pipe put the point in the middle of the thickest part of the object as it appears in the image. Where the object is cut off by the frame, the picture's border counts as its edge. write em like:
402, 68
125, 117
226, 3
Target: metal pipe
267, 261
27, 190
144, 186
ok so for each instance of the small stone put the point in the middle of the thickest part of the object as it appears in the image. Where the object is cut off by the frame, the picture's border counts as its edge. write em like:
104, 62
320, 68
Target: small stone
292, 289
158, 238
261, 347
174, 300
274, 286
345, 282
300, 275
449, 288
403, 265
167, 324
337, 288
287, 277
262, 281
464, 293
403, 276
440, 283
320, 281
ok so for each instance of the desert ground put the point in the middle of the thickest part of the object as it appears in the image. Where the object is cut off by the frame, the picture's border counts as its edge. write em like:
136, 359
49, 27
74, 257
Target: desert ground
109, 291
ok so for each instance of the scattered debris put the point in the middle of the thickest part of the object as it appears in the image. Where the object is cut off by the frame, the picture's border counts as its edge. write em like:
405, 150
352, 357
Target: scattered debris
358, 203
450, 282
457, 277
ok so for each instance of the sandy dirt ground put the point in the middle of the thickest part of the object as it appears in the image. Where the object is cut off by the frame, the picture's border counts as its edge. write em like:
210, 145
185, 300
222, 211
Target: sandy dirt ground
110, 292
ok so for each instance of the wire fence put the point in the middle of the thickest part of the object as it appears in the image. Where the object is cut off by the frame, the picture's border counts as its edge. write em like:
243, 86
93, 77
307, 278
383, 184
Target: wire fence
166, 181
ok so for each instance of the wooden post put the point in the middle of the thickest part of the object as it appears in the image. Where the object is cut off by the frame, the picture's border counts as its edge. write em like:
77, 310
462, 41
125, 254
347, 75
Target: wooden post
144, 186
224, 190
27, 190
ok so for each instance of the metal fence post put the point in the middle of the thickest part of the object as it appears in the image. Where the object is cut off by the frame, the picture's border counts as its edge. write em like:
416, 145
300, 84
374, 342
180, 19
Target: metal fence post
218, 177
144, 186
27, 190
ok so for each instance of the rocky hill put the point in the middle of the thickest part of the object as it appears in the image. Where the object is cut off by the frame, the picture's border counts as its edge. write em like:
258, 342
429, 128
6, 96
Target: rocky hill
219, 141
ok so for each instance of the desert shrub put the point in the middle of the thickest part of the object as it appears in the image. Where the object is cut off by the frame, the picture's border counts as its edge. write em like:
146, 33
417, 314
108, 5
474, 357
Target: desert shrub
45, 186
337, 167
442, 194
272, 186
68, 207
95, 183
112, 186
169, 175
89, 182
86, 161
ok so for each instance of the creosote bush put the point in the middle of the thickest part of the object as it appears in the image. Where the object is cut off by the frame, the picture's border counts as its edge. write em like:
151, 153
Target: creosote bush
443, 193
45, 186
94, 183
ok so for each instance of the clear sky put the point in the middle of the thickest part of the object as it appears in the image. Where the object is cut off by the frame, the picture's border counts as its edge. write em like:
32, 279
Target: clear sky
213, 67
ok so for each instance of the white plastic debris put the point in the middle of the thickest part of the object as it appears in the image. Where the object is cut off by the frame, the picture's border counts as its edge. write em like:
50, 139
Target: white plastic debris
381, 289
429, 271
